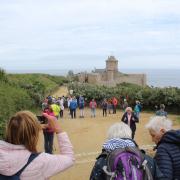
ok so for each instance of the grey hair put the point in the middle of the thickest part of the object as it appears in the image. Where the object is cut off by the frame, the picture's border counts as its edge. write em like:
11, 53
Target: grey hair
159, 122
119, 130
128, 109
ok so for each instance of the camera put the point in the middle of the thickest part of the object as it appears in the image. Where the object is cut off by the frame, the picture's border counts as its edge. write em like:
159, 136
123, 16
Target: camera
42, 119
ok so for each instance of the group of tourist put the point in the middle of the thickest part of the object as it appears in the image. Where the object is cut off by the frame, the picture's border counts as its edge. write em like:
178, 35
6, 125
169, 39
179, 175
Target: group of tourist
21, 159
109, 106
55, 107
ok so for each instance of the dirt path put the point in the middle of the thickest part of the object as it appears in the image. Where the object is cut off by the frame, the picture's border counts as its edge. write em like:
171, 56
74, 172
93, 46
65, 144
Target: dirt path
61, 91
87, 136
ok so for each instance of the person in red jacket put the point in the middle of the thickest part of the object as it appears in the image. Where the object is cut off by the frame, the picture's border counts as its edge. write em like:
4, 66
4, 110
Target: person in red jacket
114, 102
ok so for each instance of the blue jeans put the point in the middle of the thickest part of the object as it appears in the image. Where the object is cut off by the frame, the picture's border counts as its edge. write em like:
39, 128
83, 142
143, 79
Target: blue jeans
48, 141
93, 112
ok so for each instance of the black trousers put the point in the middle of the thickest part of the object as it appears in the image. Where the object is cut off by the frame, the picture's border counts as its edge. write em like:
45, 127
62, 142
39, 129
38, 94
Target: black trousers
104, 112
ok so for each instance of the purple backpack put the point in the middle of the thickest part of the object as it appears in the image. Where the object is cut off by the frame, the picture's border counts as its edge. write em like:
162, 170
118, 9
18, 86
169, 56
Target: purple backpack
127, 164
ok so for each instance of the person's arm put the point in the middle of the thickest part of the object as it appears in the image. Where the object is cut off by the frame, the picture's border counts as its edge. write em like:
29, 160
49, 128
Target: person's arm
164, 162
123, 117
53, 164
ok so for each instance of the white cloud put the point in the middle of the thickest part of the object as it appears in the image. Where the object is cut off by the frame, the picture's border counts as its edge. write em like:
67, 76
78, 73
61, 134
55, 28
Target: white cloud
85, 29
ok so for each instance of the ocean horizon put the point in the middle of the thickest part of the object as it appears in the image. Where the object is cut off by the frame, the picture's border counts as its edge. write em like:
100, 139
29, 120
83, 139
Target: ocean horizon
155, 77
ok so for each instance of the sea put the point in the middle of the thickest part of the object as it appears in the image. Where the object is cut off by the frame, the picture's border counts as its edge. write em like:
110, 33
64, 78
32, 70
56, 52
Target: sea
155, 77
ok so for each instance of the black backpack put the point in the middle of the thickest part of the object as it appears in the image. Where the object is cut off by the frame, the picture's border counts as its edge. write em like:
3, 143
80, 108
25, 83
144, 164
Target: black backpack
17, 175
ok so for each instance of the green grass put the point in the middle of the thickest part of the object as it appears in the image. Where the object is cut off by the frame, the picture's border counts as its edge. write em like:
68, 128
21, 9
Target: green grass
24, 92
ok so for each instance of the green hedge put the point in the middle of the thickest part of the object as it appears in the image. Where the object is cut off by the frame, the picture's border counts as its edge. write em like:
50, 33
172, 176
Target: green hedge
12, 99
24, 91
149, 96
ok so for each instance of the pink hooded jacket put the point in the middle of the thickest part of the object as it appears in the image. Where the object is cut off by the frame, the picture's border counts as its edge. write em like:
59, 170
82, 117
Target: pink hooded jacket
14, 157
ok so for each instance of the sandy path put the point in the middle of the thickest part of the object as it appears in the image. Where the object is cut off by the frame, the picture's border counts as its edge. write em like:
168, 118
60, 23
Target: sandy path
87, 136
61, 91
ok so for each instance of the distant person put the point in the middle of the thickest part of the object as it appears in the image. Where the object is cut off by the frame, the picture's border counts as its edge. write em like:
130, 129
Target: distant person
161, 111
104, 107
168, 146
48, 132
20, 145
124, 164
73, 106
125, 104
114, 103
93, 106
110, 105
130, 119
44, 104
137, 109
61, 104
56, 109
81, 106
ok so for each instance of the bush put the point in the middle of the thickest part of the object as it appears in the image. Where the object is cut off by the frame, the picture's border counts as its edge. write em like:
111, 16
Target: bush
23, 91
149, 96
12, 99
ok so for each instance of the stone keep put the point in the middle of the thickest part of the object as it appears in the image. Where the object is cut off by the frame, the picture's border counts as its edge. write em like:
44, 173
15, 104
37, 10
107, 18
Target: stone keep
111, 68
110, 76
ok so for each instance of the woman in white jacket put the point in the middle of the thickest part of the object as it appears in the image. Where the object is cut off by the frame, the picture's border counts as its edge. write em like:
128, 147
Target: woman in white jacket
20, 142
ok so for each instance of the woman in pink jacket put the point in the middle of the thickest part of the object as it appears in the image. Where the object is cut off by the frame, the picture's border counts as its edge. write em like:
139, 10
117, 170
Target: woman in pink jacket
20, 142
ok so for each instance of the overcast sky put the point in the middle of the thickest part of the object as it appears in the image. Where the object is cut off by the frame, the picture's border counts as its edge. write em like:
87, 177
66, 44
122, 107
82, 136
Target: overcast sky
72, 34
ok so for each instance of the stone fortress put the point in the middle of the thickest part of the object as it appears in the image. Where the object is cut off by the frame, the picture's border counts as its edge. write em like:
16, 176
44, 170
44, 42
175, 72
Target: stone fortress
110, 76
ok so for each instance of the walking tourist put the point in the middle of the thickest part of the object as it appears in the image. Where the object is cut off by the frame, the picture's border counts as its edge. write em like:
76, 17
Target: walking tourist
130, 119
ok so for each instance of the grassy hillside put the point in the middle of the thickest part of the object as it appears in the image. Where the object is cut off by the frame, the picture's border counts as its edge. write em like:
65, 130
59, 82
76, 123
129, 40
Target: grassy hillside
24, 91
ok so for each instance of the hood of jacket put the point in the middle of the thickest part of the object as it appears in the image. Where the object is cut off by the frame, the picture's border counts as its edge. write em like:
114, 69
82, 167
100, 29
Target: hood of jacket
172, 137
115, 143
12, 158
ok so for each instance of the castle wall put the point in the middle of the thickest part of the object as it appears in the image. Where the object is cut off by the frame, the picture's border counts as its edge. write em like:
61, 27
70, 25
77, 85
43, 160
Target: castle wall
139, 79
110, 75
81, 77
94, 78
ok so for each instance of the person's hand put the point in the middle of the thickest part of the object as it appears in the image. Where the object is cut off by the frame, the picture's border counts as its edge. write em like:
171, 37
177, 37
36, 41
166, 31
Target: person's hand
53, 123
44, 126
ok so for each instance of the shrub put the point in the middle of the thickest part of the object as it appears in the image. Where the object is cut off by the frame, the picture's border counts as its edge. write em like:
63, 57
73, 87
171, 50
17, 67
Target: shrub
149, 96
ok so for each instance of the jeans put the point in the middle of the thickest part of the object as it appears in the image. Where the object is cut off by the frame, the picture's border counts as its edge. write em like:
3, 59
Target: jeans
93, 112
73, 113
48, 141
114, 109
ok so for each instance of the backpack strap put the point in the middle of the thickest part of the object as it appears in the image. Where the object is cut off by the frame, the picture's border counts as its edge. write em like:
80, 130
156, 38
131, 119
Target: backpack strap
103, 154
31, 158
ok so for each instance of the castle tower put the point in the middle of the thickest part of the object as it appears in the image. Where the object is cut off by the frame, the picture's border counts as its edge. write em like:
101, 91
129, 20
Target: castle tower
111, 68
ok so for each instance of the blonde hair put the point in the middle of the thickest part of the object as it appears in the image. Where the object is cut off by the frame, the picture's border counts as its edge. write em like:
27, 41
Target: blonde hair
158, 122
23, 129
119, 130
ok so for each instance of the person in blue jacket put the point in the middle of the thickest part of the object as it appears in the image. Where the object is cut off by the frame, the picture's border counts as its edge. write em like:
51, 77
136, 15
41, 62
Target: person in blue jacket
137, 109
73, 106
167, 146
